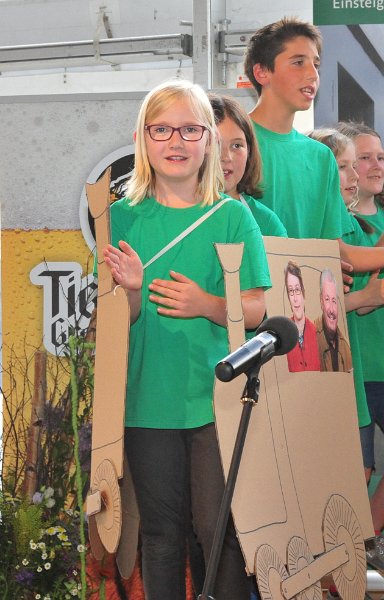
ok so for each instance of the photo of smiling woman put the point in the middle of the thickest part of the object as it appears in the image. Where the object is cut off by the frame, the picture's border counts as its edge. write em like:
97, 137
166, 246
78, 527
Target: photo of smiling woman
305, 355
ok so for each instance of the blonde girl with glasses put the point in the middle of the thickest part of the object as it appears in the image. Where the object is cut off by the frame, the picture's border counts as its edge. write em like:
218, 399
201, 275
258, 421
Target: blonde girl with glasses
163, 253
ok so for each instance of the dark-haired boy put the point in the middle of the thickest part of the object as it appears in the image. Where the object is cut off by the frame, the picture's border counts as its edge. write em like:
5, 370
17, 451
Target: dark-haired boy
300, 175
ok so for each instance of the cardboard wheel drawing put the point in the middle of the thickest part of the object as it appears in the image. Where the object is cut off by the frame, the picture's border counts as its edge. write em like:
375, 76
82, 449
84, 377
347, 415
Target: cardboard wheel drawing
98, 549
271, 572
342, 527
109, 518
298, 557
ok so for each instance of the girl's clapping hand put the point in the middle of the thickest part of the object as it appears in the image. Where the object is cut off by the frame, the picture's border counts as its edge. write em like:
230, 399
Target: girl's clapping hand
125, 265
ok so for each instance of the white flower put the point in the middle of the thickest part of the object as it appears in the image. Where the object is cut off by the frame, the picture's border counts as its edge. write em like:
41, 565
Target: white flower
80, 548
37, 596
74, 592
32, 545
39, 569
47, 566
44, 555
25, 562
49, 492
50, 502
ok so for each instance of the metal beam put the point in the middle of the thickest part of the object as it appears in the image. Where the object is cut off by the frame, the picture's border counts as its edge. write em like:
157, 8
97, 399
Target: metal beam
86, 52
202, 43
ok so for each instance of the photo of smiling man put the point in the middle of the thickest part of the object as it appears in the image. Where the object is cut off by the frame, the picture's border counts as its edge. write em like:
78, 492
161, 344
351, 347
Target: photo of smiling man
334, 350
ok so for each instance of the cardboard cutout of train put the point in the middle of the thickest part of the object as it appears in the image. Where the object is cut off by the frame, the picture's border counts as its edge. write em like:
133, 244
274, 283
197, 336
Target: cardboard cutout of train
300, 505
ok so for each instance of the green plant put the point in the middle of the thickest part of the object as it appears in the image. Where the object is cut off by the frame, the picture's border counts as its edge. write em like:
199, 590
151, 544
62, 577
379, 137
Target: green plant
43, 537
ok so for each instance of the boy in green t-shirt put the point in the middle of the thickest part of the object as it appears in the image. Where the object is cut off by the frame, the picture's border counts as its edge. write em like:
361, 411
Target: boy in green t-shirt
300, 177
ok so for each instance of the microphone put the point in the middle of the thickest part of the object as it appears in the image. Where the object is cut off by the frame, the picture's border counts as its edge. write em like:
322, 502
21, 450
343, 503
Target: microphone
275, 336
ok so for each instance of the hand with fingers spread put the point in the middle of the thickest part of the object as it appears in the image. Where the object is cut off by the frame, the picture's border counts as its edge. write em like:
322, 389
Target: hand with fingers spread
127, 270
125, 265
179, 297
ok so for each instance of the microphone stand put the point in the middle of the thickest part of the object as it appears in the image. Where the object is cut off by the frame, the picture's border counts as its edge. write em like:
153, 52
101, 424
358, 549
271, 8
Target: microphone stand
249, 399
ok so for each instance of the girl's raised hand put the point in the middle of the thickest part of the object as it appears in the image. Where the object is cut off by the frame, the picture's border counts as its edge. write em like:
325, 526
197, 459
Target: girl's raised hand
125, 264
179, 297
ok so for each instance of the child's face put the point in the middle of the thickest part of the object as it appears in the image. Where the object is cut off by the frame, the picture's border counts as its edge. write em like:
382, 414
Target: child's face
176, 159
369, 165
346, 161
234, 154
295, 79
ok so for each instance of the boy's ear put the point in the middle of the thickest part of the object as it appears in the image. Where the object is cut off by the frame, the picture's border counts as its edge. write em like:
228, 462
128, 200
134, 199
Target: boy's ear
261, 74
134, 136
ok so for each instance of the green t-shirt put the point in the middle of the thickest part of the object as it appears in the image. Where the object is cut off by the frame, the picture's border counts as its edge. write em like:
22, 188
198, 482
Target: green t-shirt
357, 239
371, 326
171, 361
301, 185
266, 219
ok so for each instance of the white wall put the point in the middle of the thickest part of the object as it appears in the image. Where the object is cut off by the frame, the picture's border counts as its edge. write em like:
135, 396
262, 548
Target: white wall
341, 47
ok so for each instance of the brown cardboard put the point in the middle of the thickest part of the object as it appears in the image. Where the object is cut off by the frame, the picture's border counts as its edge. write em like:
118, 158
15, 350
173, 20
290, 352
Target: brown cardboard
301, 474
127, 550
111, 363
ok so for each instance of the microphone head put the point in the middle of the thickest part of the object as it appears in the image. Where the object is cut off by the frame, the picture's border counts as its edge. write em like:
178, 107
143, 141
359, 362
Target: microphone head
284, 330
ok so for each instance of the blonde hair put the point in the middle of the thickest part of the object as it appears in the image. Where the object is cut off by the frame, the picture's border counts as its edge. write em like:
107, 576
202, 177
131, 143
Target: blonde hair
335, 140
338, 142
210, 179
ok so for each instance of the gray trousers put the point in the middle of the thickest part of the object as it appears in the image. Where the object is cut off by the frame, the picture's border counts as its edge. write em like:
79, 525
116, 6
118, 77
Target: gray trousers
177, 474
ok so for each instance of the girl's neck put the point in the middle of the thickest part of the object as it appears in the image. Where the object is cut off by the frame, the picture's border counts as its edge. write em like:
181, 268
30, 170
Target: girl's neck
366, 205
176, 195
233, 193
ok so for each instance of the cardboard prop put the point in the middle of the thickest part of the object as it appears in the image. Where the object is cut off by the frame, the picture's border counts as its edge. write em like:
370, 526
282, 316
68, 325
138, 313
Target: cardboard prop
300, 505
107, 518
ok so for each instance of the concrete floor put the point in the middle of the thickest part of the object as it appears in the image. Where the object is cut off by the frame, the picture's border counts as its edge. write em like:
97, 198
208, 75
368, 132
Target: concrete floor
375, 585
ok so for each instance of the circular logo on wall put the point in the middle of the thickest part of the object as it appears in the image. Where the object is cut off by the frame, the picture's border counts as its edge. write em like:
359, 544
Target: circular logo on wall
121, 161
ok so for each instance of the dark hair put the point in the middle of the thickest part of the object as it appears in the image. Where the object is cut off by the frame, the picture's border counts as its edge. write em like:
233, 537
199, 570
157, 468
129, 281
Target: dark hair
269, 41
294, 269
226, 106
353, 129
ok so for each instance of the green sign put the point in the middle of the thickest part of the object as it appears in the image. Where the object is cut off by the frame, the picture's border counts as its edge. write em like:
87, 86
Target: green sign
347, 12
